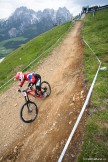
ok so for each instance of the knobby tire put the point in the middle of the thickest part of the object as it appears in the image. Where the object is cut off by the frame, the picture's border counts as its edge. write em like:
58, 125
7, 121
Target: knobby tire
30, 103
48, 85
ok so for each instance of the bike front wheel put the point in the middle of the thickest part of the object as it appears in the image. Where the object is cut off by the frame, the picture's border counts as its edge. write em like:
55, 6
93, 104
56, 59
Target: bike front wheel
29, 112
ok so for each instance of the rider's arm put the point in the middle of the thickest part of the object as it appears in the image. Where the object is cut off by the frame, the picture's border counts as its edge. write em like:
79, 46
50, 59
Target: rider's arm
20, 85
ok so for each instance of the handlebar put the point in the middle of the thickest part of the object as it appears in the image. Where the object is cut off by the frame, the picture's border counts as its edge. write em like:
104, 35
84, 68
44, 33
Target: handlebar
25, 90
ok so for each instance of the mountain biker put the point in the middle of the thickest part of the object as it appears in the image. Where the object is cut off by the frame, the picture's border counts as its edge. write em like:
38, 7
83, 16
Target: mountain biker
32, 78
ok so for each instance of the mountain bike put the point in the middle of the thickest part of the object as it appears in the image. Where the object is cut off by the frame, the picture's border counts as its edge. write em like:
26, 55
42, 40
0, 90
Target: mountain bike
29, 110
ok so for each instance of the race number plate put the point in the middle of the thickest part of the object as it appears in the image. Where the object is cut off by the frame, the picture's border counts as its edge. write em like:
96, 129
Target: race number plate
24, 93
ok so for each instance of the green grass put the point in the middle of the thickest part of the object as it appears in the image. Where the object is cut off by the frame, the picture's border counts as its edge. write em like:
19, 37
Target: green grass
96, 138
2, 43
20, 58
95, 32
6, 46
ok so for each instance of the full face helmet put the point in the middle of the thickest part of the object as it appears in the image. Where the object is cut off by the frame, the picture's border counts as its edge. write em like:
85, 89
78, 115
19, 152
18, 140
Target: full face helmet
19, 76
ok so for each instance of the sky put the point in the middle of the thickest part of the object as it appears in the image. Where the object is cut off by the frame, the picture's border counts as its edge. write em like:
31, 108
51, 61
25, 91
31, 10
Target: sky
7, 7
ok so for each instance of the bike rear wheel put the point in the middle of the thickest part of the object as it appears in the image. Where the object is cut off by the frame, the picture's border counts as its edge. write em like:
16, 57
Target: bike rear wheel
29, 112
46, 87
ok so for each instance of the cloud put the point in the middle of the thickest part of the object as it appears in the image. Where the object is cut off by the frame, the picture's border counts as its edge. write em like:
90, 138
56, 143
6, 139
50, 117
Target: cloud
9, 6
90, 2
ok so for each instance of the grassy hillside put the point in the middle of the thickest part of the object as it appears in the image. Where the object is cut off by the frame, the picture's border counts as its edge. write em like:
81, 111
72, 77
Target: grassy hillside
9, 45
95, 32
6, 46
21, 58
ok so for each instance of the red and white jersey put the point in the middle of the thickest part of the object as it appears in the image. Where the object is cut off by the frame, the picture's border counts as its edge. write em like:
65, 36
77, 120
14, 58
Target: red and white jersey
28, 77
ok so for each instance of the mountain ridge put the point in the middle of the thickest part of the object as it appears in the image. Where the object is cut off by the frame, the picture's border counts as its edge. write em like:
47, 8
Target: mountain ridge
24, 18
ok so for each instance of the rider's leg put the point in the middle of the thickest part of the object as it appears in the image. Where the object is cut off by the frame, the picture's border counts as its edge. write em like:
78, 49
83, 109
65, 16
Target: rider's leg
38, 86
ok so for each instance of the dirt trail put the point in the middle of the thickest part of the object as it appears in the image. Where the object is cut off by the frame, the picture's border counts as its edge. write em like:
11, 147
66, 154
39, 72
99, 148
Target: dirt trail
44, 139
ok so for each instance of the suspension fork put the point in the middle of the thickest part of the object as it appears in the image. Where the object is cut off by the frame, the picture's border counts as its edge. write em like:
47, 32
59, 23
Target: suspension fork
27, 101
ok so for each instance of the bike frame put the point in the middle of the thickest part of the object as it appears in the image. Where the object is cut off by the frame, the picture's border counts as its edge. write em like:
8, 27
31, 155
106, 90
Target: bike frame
30, 92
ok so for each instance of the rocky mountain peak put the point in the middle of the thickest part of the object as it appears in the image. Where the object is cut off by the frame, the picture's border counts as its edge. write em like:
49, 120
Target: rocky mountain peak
23, 18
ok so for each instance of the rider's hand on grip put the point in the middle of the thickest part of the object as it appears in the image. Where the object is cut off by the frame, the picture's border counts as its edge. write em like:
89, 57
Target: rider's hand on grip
19, 90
